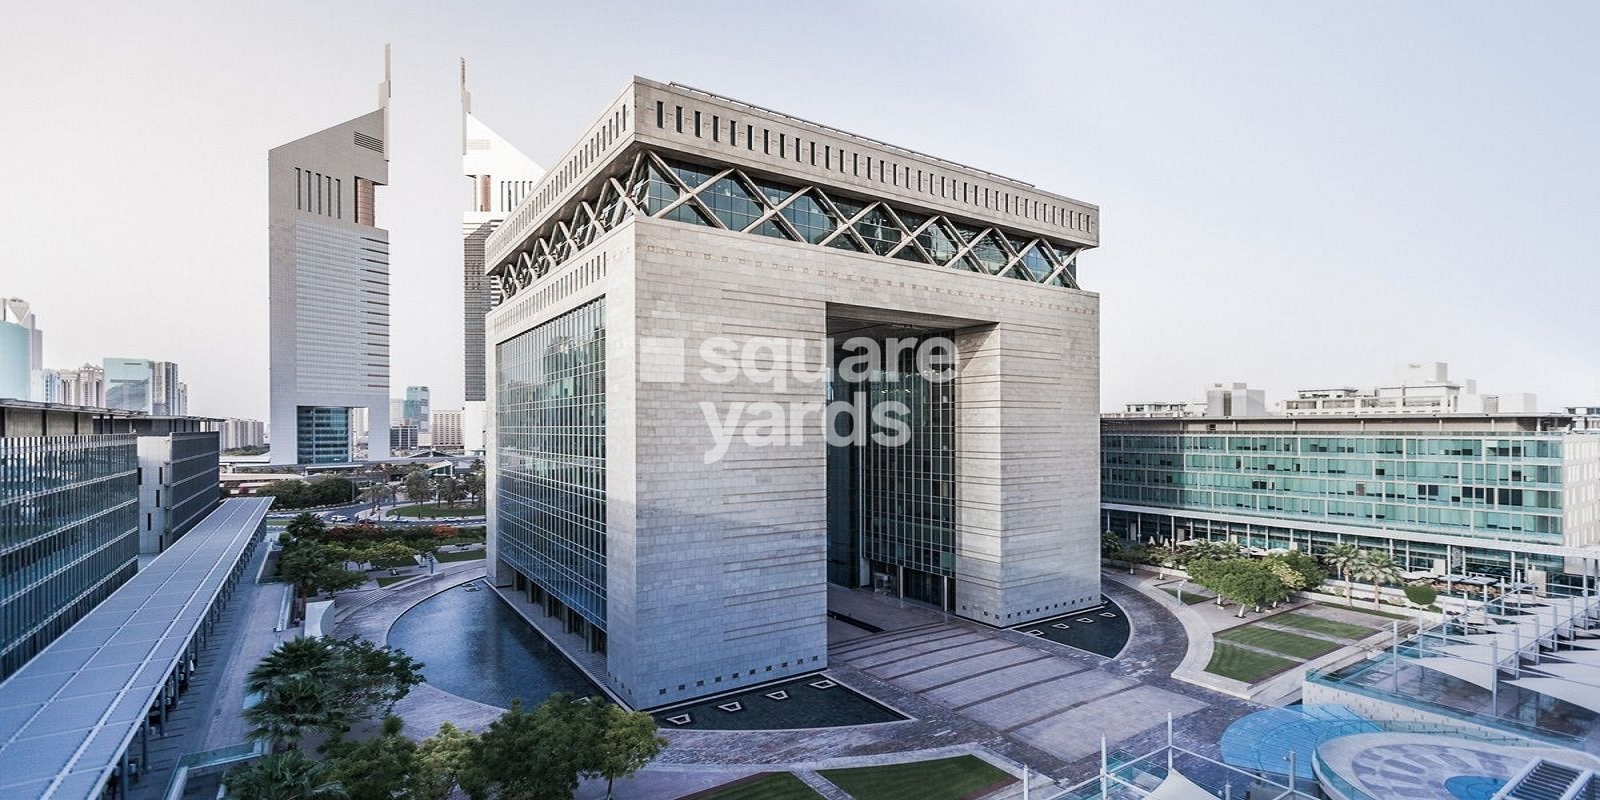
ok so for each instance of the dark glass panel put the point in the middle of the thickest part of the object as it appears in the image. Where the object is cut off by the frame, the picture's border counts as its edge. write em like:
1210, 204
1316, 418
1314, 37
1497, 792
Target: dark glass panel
732, 203
808, 217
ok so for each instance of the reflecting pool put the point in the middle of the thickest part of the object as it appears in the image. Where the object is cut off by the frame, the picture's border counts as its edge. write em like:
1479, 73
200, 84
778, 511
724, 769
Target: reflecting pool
474, 646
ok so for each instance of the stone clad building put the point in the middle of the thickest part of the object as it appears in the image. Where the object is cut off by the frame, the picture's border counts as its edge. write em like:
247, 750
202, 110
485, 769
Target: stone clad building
659, 365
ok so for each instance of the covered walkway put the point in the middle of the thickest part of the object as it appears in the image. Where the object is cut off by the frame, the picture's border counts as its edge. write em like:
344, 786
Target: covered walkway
80, 715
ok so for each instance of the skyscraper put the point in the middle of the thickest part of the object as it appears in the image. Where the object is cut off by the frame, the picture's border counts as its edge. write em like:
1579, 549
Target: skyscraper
130, 384
501, 176
21, 351
84, 386
417, 409
329, 288
649, 496
165, 389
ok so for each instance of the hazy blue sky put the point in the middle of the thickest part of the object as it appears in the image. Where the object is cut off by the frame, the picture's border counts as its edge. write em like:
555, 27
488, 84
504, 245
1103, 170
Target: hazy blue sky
1291, 193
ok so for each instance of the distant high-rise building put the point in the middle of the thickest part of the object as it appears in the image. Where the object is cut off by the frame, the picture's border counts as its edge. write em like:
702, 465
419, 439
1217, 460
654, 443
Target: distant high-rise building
84, 386
402, 437
182, 405
130, 384
164, 389
50, 383
446, 429
21, 351
501, 176
417, 409
329, 288
236, 433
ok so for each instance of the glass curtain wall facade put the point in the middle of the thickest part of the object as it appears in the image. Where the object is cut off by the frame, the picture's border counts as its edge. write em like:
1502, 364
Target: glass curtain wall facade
130, 384
324, 435
69, 534
1502, 489
550, 388
893, 506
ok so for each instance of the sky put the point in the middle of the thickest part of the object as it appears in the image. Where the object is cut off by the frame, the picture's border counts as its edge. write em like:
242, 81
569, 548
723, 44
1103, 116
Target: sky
1291, 194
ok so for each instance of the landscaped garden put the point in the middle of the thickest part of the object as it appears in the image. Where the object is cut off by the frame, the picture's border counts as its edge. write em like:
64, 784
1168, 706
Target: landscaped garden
1294, 645
1330, 627
1244, 665
435, 510
770, 786
944, 779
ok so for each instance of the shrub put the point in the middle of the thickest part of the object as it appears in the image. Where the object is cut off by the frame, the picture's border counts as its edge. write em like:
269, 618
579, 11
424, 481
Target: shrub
1422, 594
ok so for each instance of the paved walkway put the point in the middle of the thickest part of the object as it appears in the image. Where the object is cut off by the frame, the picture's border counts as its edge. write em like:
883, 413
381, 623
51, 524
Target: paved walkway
208, 716
970, 689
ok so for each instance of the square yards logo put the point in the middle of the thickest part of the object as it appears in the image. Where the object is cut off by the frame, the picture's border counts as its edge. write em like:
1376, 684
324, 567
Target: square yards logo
778, 365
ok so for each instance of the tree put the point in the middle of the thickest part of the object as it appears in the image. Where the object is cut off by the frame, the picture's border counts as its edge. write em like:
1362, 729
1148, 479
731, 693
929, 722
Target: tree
1343, 558
381, 768
440, 761
628, 742
289, 493
388, 554
472, 482
302, 564
283, 776
1377, 569
304, 657
1311, 573
449, 490
324, 684
306, 525
378, 493
331, 490
533, 755
418, 486
378, 677
294, 708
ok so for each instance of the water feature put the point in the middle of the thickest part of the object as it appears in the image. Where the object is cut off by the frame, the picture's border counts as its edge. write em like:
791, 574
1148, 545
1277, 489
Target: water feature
474, 646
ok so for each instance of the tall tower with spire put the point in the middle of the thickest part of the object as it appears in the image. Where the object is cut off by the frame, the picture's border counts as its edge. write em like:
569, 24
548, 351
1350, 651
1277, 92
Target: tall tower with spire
329, 289
500, 177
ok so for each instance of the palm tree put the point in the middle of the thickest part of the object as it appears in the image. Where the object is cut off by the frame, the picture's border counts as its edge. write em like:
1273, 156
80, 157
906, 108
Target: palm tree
472, 482
448, 489
378, 493
294, 708
1343, 559
1378, 569
305, 657
283, 776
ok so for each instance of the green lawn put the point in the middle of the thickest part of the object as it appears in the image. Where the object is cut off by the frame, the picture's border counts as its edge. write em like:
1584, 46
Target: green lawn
771, 786
1190, 597
1289, 644
388, 579
430, 510
944, 779
463, 555
1245, 665
1343, 630
1363, 609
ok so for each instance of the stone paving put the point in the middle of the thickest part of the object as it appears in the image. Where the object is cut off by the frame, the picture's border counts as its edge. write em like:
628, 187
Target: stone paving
208, 715
1005, 696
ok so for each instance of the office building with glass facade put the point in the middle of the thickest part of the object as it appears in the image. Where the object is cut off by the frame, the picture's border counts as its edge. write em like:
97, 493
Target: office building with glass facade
1511, 495
686, 517
130, 384
69, 531
329, 290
